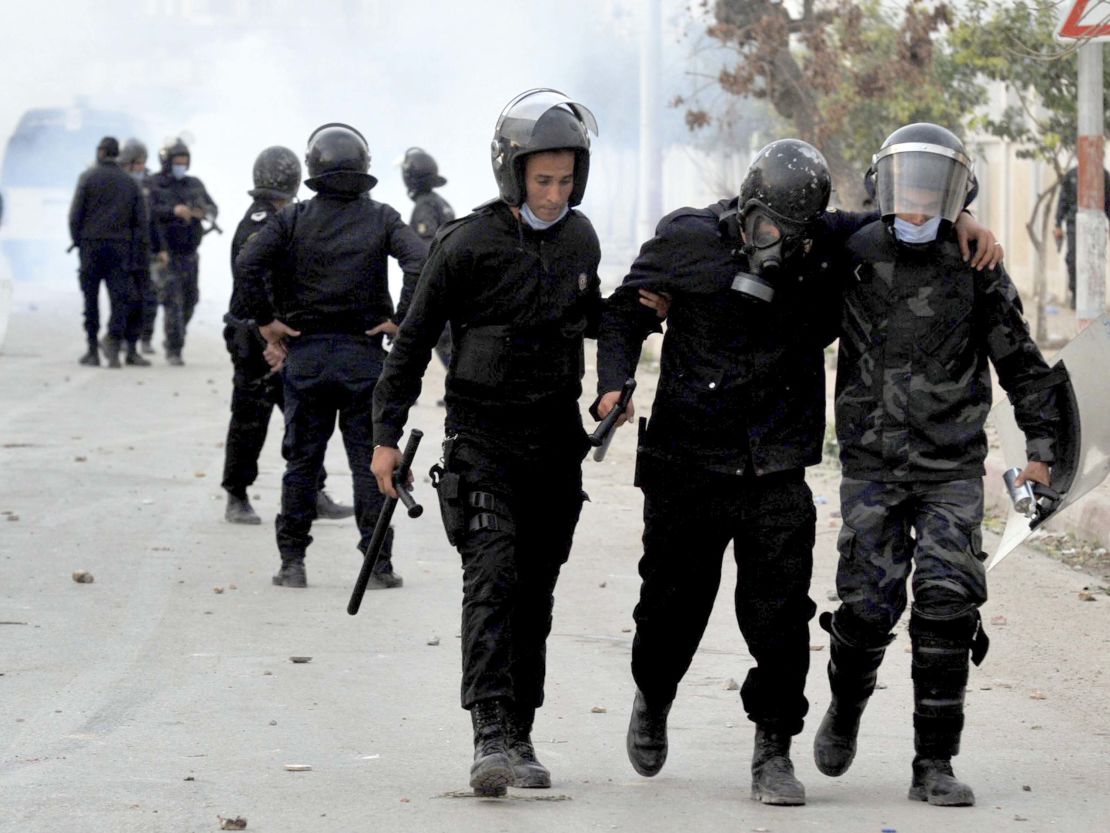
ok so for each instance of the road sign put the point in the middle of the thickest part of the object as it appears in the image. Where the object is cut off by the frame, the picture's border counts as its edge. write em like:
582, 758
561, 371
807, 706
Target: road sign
1086, 20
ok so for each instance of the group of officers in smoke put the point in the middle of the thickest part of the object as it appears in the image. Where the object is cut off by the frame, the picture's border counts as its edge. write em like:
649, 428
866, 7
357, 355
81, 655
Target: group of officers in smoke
753, 288
138, 233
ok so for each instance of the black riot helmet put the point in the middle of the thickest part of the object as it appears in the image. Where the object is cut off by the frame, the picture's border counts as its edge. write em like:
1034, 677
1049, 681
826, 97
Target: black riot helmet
420, 172
132, 151
172, 148
338, 160
277, 174
784, 192
539, 120
922, 169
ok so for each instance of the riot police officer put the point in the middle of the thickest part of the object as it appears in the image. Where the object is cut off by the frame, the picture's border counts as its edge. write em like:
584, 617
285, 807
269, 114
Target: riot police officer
314, 280
429, 211
144, 302
256, 389
107, 222
924, 325
517, 282
179, 203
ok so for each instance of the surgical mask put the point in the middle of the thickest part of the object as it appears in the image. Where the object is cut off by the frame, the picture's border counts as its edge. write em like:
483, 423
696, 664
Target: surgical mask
178, 171
535, 222
907, 232
137, 175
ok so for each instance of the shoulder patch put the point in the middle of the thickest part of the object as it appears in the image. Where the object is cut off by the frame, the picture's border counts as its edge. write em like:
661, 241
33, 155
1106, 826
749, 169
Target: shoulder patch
422, 229
259, 216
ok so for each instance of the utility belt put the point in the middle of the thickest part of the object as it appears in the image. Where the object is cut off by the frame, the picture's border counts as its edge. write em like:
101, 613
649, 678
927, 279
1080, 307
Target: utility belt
498, 355
465, 510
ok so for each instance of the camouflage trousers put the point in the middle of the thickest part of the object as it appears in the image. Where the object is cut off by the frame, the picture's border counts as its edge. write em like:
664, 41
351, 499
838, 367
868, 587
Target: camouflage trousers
890, 529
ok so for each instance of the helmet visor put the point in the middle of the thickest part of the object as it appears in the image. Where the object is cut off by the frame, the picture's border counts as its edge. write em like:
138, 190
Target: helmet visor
520, 115
922, 179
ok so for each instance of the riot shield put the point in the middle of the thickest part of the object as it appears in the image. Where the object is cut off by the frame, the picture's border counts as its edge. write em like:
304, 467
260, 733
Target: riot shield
1083, 456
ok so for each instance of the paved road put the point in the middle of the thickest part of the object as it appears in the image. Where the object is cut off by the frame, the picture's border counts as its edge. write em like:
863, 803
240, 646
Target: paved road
148, 701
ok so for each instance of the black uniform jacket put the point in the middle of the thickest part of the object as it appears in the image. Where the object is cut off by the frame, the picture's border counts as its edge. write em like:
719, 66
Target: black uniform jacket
108, 205
321, 265
430, 211
913, 387
742, 381
175, 235
519, 302
260, 211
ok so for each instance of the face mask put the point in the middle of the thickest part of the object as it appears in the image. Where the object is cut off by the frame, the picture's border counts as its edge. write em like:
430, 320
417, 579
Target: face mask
137, 175
907, 232
178, 171
535, 222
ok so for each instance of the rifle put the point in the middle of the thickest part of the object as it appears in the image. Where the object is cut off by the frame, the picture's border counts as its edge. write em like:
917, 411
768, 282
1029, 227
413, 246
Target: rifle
603, 434
415, 510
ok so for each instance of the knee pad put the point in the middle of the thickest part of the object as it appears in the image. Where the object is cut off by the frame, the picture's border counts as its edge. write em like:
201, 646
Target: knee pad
847, 628
940, 630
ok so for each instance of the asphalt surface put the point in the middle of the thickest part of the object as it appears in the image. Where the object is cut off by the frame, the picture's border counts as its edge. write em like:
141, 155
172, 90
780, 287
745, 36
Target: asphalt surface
161, 696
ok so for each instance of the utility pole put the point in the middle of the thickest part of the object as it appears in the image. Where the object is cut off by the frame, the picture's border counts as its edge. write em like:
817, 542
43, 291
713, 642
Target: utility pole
1090, 220
650, 194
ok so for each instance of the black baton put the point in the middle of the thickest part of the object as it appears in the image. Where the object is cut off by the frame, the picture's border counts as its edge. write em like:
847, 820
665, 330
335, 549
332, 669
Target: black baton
603, 434
415, 510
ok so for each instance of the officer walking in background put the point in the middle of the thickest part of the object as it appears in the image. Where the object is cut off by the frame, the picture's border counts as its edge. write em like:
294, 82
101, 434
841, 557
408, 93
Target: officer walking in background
517, 282
107, 222
256, 389
314, 280
1066, 208
132, 159
429, 212
179, 203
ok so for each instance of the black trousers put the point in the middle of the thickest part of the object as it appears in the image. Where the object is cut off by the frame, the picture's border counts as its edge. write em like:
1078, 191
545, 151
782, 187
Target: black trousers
106, 261
512, 553
254, 395
688, 523
327, 376
149, 300
179, 295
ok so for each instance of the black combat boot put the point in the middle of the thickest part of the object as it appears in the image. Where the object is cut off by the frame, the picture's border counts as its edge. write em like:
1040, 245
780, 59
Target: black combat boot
941, 645
853, 671
491, 771
110, 348
329, 510
934, 781
133, 359
240, 511
773, 780
527, 770
91, 357
174, 359
291, 573
383, 577
647, 736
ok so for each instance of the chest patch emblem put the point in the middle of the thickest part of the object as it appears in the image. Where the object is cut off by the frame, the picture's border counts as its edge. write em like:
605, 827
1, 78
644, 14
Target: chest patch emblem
583, 281
258, 216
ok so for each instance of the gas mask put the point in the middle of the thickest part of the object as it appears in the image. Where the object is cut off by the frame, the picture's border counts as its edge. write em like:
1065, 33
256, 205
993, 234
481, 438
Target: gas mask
771, 245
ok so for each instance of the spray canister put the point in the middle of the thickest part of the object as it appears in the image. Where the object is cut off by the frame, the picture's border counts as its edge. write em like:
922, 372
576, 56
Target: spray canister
1024, 500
